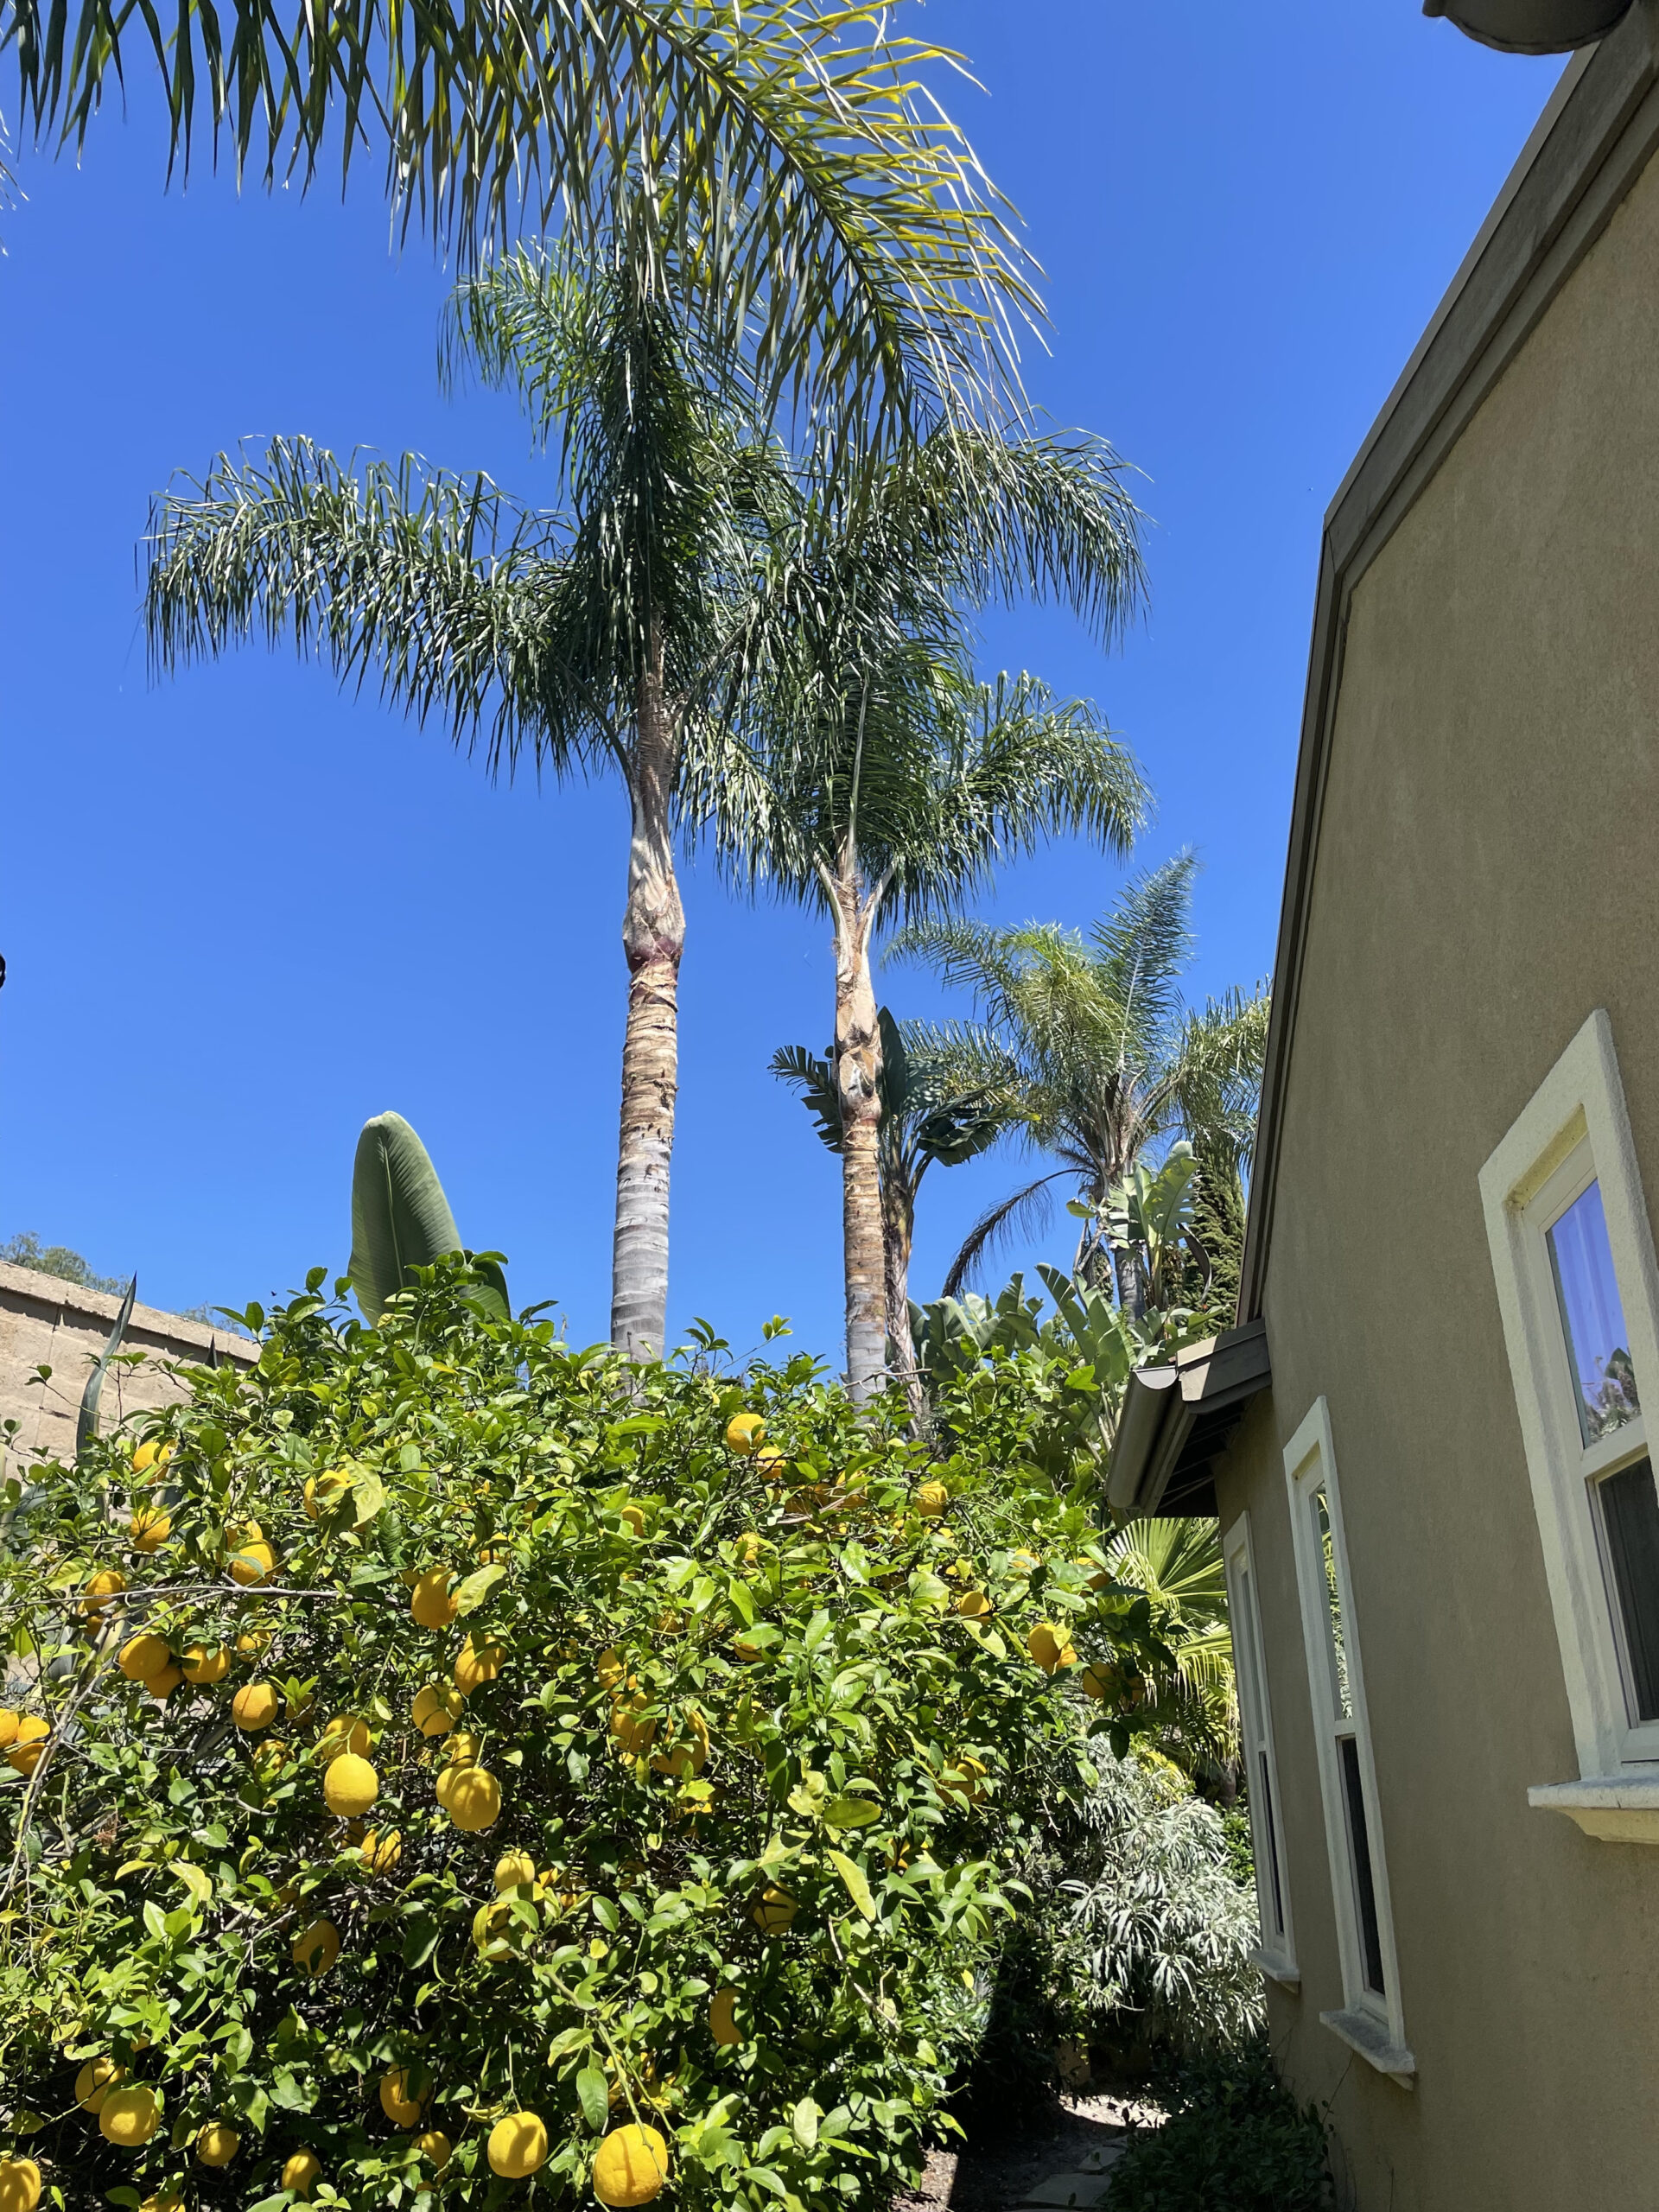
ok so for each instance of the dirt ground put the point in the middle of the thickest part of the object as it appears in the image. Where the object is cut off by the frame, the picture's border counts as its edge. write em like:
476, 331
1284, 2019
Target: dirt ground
993, 2172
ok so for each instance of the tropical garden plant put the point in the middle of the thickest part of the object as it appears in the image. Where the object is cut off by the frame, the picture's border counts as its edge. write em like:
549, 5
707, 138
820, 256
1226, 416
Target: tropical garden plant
440, 1757
1100, 1062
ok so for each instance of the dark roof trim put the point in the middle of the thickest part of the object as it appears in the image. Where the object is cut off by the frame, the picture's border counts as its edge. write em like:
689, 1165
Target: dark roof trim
1589, 145
1176, 1421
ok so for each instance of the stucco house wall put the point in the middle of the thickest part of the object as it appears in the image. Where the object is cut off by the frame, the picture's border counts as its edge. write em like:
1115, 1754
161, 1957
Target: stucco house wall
1487, 874
46, 1322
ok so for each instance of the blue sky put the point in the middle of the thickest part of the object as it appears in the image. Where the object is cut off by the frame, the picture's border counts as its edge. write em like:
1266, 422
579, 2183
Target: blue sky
243, 912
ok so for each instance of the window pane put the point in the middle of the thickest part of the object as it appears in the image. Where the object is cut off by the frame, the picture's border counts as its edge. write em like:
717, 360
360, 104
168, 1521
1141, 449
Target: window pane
1275, 1895
1333, 1606
1629, 1518
1360, 1843
1598, 1348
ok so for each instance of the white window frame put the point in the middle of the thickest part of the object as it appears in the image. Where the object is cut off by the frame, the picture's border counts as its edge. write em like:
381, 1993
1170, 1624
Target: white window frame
1277, 1955
1574, 1130
1369, 2021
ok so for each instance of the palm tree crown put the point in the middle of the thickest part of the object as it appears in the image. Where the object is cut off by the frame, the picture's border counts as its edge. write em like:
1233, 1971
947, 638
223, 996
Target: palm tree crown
1097, 1056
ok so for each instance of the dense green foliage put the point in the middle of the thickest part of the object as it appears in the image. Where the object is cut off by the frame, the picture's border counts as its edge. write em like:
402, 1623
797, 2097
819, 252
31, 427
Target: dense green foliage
723, 1676
1235, 2140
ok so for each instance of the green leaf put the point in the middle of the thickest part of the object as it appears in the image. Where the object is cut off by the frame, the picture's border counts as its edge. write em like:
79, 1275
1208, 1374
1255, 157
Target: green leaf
401, 1219
857, 1888
804, 2121
195, 1880
851, 1813
368, 1496
595, 2094
470, 1594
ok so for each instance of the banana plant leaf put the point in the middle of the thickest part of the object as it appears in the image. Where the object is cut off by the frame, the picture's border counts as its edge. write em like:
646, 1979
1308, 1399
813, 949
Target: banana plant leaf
401, 1219
87, 1420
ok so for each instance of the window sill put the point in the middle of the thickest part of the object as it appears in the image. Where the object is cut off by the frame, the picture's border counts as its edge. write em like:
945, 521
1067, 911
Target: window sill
1276, 1969
1613, 1808
1363, 2032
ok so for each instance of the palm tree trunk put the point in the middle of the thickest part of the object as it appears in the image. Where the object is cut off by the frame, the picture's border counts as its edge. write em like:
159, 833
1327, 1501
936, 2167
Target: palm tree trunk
653, 938
897, 1224
858, 1071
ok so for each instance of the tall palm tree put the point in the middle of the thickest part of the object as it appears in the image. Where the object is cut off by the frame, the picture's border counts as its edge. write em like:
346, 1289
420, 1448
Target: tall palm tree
591, 645
926, 1120
1100, 1058
850, 238
890, 780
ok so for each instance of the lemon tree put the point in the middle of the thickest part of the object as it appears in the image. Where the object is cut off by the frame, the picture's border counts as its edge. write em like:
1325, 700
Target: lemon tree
517, 1770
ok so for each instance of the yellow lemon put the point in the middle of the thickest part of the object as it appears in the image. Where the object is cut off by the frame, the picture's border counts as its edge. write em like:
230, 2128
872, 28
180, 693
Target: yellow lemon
23, 1753
217, 2144
474, 1801
463, 1749
94, 2082
130, 2117
324, 1495
722, 2017
437, 1709
150, 1528
518, 2145
633, 1733
431, 1600
631, 2166
380, 1850
400, 2100
607, 1668
513, 1869
161, 1687
770, 1462
350, 1786
302, 2170
206, 1664
479, 1662
142, 1657
345, 1733
19, 2185
687, 1756
100, 1590
1050, 1647
973, 1605
148, 1455
931, 1500
254, 1706
169, 2199
434, 2147
9, 1721
253, 1641
745, 1432
1097, 1680
633, 1516
316, 1947
251, 1559
744, 1648
965, 1781
773, 1911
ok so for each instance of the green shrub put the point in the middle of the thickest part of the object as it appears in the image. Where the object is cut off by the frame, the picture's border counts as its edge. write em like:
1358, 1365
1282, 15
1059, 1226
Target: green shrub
1235, 2140
746, 1743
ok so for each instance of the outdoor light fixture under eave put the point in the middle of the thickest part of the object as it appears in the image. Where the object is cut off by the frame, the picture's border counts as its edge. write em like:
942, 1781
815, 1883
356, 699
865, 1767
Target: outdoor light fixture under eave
1532, 25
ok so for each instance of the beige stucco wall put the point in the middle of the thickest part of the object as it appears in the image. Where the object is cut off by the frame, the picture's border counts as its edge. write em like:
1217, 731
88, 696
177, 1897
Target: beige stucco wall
1488, 873
46, 1322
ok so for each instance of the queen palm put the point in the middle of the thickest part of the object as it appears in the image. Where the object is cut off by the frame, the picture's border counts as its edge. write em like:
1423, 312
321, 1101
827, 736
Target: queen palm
889, 781
591, 645
1099, 1058
854, 245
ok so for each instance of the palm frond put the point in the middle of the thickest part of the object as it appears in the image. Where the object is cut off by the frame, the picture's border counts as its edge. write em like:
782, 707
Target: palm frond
1028, 1210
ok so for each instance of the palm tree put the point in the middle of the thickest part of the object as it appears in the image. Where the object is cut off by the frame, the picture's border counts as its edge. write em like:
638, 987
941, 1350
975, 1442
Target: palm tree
592, 646
926, 1120
1191, 1711
888, 781
850, 239
1108, 1061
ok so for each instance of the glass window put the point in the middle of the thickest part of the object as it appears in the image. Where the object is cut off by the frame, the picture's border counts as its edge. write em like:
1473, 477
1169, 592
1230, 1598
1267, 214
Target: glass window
1629, 1527
1598, 1344
1365, 1883
1340, 1690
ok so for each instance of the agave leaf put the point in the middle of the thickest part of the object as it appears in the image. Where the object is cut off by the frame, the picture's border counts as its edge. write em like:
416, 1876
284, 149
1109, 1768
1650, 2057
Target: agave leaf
86, 1423
400, 1218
